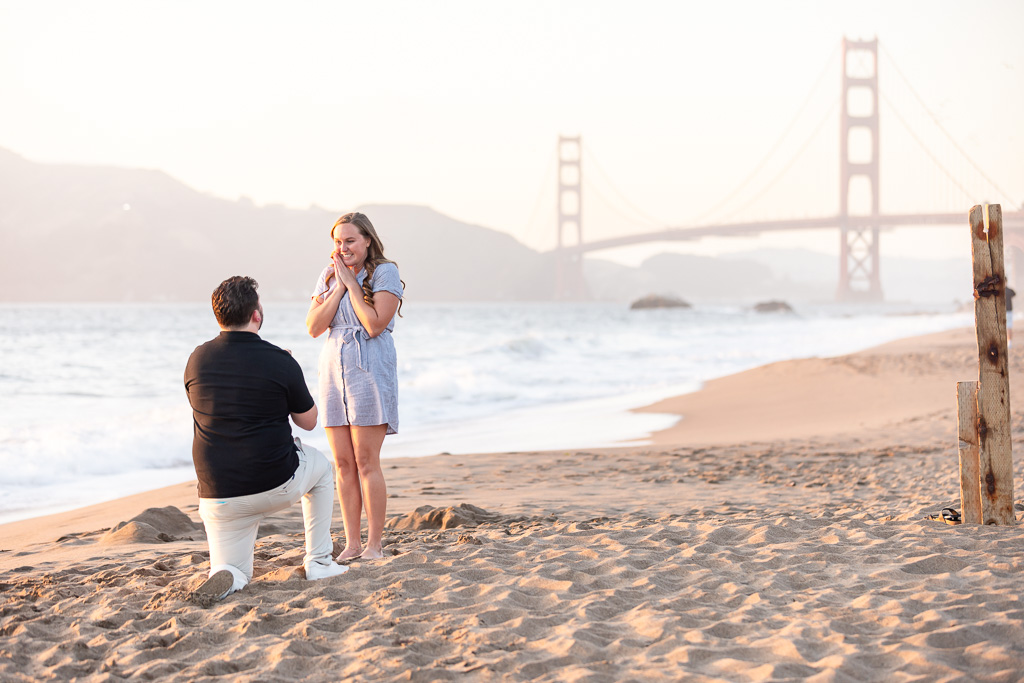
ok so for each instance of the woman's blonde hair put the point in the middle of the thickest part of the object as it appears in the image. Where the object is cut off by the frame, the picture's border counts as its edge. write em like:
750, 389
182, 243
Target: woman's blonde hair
374, 252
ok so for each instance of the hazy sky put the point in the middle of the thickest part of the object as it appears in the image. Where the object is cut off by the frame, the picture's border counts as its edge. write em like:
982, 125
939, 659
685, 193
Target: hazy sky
458, 105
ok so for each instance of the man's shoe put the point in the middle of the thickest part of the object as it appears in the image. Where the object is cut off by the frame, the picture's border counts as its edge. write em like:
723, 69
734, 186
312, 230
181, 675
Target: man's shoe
317, 571
215, 588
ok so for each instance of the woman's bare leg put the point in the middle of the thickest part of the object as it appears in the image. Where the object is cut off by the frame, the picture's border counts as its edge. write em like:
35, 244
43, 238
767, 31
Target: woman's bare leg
349, 494
366, 442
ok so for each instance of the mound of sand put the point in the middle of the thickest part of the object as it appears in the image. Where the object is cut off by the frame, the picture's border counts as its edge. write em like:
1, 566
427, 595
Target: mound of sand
155, 525
428, 517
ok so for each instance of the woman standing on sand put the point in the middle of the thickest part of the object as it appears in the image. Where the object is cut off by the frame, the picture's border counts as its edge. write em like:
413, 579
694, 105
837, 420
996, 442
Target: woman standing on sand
356, 298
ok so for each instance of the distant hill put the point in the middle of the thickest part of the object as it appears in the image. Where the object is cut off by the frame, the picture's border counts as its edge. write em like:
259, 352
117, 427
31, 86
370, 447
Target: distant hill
96, 233
111, 234
100, 233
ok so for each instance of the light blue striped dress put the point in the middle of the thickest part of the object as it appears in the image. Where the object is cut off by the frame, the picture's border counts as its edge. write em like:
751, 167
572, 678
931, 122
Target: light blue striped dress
359, 374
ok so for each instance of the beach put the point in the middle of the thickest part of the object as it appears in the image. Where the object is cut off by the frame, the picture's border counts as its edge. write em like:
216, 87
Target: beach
778, 531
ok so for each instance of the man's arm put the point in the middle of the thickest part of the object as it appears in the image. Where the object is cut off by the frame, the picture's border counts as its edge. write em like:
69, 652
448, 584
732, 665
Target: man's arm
306, 420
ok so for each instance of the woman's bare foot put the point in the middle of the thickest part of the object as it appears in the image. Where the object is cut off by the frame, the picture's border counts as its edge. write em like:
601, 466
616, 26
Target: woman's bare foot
349, 553
371, 554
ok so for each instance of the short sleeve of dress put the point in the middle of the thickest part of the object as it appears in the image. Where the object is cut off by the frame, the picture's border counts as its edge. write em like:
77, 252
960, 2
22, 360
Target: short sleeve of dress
321, 284
386, 279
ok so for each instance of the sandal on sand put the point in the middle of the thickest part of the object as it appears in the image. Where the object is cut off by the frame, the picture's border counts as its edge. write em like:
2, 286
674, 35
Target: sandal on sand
947, 515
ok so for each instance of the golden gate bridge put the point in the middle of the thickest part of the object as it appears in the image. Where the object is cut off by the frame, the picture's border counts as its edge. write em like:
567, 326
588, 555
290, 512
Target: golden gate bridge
859, 226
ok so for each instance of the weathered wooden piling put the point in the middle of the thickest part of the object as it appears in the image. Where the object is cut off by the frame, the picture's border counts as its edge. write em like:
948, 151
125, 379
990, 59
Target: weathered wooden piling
970, 455
993, 404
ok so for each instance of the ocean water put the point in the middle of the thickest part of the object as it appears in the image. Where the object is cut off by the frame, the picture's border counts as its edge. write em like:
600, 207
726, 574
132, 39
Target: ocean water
93, 407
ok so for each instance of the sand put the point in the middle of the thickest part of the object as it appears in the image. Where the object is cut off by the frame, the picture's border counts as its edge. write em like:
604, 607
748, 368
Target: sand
779, 531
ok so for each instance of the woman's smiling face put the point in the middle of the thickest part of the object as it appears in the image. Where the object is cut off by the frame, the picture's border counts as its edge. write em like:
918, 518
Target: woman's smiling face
351, 245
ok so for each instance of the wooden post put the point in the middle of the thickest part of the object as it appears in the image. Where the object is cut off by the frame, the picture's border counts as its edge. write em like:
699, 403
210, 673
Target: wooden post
996, 459
970, 464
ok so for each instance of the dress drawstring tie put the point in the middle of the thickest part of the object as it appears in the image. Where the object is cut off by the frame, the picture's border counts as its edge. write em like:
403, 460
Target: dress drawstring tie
353, 334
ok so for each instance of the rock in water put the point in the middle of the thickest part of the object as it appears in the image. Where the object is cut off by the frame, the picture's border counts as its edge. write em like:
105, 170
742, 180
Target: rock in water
659, 301
773, 307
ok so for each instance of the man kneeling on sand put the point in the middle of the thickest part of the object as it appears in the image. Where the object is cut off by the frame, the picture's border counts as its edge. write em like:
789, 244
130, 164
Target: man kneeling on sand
242, 391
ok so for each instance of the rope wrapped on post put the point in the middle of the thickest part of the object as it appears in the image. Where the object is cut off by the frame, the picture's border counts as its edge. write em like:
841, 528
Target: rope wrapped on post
990, 286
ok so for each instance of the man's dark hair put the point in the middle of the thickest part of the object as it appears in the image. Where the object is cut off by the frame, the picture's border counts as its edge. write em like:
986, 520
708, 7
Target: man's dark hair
234, 301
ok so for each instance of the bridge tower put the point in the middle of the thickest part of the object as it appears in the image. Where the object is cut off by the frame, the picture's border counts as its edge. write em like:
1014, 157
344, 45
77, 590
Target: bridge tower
858, 254
569, 282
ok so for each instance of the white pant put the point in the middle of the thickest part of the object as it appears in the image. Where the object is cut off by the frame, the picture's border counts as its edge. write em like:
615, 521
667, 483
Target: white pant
232, 523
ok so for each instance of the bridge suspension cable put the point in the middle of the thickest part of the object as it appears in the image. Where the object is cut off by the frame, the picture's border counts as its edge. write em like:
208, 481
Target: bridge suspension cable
594, 191
778, 176
542, 194
935, 119
645, 218
778, 143
924, 147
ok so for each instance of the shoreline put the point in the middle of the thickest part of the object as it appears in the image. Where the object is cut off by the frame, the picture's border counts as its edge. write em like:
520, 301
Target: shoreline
754, 540
729, 409
887, 387
724, 411
608, 422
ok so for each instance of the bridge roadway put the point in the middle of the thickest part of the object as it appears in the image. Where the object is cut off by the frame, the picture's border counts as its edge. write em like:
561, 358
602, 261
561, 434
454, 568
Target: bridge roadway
1013, 223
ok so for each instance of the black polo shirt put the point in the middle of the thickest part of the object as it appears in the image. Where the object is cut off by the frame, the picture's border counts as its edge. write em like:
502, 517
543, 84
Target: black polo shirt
242, 390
